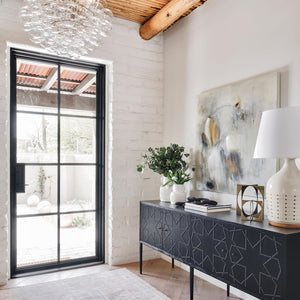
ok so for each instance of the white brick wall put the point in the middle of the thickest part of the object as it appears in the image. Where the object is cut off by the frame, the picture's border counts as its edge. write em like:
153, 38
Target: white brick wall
4, 166
134, 114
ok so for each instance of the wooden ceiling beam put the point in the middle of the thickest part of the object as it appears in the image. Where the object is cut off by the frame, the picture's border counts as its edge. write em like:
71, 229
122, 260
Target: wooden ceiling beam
164, 18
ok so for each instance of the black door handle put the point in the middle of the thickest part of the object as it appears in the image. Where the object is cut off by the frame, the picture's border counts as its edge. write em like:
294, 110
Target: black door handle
20, 178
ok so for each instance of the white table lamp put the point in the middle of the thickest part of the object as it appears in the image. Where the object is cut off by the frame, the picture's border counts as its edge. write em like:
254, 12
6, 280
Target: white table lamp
279, 137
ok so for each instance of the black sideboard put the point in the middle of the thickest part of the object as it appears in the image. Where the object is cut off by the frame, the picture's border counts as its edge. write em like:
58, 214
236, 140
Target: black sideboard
257, 258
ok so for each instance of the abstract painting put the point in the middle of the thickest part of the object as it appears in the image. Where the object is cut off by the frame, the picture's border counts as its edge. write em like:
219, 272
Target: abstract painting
228, 121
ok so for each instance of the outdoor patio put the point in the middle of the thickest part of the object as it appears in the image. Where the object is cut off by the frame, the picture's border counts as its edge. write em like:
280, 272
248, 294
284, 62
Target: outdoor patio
37, 237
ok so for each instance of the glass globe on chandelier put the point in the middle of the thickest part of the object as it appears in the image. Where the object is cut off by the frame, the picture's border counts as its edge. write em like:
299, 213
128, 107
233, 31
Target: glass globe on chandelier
67, 27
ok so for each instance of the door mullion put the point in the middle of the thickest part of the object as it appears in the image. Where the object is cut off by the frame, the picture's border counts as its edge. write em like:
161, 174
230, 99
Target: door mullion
100, 192
58, 164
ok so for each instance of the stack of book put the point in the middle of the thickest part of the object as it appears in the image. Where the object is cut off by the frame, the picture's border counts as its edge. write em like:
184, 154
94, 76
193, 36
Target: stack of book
207, 208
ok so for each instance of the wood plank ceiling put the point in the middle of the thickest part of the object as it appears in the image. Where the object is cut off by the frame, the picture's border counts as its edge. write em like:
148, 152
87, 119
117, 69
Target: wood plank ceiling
141, 11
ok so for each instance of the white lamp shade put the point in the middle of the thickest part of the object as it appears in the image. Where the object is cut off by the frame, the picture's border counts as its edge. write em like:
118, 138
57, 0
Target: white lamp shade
279, 134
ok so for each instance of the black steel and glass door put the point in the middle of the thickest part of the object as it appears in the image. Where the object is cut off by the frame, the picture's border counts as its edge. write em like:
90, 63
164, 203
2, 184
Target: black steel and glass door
57, 162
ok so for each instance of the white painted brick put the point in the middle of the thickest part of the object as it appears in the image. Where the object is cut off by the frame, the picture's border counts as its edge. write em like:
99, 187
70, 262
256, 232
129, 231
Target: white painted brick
133, 136
141, 72
139, 64
3, 211
123, 126
122, 40
135, 81
140, 148
136, 109
128, 116
148, 55
3, 235
3, 246
132, 146
140, 100
149, 100
138, 91
129, 176
3, 222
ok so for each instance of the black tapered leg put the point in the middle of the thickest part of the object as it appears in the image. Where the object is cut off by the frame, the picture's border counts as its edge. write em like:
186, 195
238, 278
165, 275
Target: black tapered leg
191, 283
228, 290
172, 262
141, 258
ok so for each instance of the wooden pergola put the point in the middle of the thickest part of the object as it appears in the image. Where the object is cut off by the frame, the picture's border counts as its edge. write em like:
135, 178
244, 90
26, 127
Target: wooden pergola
43, 77
37, 85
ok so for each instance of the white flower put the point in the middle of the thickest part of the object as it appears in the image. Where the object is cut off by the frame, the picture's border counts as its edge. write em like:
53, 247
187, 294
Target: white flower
170, 171
174, 178
182, 176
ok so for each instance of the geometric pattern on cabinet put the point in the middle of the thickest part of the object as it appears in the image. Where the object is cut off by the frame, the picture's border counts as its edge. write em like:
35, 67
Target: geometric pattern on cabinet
151, 227
243, 257
255, 262
259, 259
166, 230
265, 273
176, 235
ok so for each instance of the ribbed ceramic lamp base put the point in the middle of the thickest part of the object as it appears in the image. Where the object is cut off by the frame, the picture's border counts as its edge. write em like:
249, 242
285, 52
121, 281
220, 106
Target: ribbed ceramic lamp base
283, 196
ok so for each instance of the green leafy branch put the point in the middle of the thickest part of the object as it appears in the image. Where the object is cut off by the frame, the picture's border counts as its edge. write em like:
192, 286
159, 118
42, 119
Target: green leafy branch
164, 159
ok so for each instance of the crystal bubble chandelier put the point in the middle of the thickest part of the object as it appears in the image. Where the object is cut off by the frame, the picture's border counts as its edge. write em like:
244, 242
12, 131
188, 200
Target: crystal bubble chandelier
69, 28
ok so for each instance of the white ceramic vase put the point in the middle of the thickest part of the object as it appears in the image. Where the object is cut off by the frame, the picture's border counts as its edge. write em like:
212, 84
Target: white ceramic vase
178, 193
165, 191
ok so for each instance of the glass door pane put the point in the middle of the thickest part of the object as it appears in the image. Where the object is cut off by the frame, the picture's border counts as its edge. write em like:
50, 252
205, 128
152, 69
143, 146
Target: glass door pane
36, 240
78, 140
35, 86
77, 232
78, 91
77, 188
40, 194
36, 138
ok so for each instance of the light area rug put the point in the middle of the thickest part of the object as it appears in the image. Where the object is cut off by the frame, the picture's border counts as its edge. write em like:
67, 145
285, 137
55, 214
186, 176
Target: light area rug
118, 284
